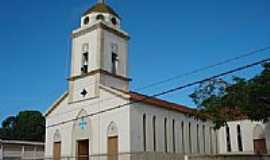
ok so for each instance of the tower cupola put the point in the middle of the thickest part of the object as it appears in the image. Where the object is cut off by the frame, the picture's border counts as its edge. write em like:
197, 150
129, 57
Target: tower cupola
100, 12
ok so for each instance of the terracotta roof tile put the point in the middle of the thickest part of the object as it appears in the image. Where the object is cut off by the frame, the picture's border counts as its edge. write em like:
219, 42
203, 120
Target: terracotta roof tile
137, 97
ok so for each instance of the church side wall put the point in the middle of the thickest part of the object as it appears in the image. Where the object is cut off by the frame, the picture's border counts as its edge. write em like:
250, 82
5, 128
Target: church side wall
247, 131
137, 135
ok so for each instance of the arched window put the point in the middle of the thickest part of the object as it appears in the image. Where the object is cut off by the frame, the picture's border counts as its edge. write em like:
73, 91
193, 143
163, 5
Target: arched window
85, 58
86, 20
183, 136
154, 133
173, 135
165, 135
189, 138
239, 138
114, 21
144, 132
115, 59
100, 17
198, 139
204, 148
228, 139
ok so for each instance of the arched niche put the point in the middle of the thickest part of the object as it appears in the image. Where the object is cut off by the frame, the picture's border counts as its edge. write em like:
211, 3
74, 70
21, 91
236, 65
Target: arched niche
81, 126
112, 142
112, 130
81, 134
57, 136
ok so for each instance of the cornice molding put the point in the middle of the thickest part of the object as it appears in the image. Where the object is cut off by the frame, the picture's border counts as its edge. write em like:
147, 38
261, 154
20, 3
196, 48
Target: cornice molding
98, 71
101, 25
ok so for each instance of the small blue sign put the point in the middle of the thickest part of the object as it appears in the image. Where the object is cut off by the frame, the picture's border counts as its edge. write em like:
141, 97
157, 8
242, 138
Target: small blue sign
82, 123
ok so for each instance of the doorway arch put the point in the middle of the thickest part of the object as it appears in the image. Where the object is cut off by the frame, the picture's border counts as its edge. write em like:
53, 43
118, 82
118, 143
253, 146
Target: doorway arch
112, 141
82, 136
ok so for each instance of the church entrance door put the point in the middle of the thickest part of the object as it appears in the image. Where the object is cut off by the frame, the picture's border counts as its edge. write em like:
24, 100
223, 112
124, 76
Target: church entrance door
56, 150
113, 148
260, 146
83, 149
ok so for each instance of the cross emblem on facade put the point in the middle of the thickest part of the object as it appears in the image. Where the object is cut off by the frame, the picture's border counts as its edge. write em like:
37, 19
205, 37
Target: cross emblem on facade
82, 123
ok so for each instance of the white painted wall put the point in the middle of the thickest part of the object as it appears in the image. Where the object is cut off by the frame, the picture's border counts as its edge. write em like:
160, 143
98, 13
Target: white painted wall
97, 127
247, 131
136, 122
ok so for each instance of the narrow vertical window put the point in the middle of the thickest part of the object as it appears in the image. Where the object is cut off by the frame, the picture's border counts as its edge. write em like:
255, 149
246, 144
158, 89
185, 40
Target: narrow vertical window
198, 139
85, 59
154, 134
239, 139
183, 136
204, 139
115, 58
165, 135
144, 132
189, 138
173, 135
228, 139
216, 139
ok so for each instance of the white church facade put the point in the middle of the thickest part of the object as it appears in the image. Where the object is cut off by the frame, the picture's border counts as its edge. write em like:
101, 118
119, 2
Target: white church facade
99, 115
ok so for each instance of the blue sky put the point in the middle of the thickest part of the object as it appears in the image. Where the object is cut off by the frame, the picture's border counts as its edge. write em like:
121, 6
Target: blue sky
167, 38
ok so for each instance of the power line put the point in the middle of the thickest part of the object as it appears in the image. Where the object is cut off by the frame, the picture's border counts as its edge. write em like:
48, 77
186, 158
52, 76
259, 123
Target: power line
206, 67
169, 90
178, 76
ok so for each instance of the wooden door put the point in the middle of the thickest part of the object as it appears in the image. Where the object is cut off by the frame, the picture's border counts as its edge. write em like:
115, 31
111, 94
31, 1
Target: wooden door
113, 148
260, 146
57, 151
83, 150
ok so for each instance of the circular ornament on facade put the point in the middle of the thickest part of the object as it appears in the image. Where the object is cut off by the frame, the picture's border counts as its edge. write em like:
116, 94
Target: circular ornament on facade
86, 21
114, 21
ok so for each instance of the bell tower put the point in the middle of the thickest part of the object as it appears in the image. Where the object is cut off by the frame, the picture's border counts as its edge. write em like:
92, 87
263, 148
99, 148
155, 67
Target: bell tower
99, 53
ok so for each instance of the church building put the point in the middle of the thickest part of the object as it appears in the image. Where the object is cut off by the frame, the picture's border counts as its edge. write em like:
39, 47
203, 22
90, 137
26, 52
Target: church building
99, 116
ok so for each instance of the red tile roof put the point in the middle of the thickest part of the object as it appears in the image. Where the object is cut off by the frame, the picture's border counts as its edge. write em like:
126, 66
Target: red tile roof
140, 98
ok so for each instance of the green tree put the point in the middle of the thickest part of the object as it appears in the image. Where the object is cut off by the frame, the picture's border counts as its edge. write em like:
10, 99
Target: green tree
26, 125
241, 98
